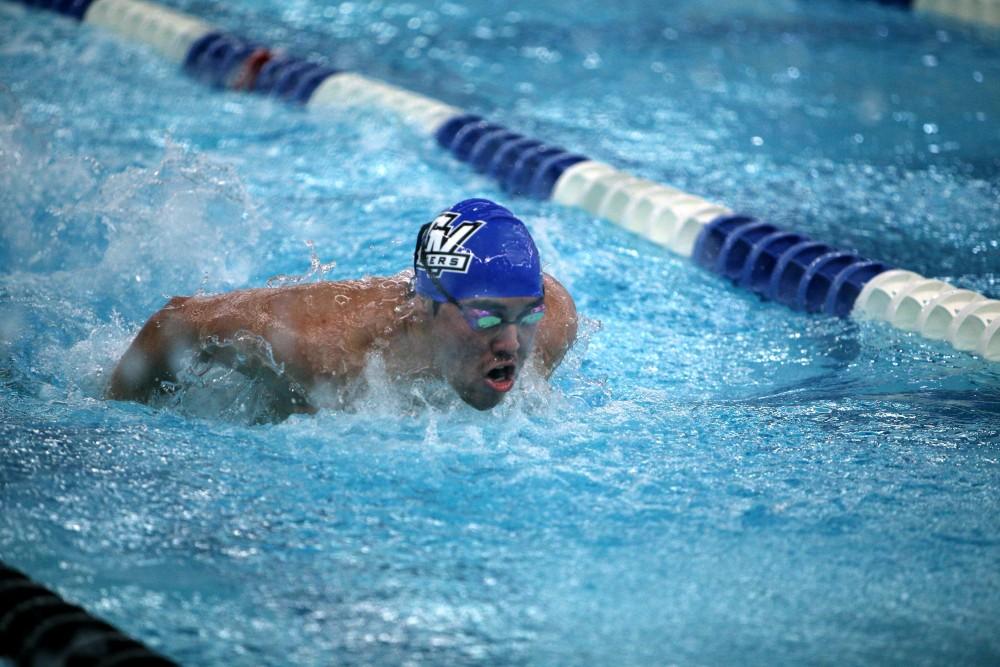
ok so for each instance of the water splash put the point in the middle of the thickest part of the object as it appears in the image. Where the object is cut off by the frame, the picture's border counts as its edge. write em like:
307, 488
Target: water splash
96, 252
317, 270
39, 187
253, 388
176, 221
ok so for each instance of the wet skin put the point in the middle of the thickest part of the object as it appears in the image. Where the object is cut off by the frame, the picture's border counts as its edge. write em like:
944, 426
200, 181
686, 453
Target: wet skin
308, 340
482, 365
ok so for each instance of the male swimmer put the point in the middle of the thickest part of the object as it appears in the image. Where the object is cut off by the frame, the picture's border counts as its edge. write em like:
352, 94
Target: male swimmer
476, 309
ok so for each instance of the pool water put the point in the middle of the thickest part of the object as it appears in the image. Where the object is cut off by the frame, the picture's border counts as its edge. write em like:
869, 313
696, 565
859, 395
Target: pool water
708, 479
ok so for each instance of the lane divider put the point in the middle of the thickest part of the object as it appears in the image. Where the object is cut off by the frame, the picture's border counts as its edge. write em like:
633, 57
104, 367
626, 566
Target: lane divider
38, 627
780, 265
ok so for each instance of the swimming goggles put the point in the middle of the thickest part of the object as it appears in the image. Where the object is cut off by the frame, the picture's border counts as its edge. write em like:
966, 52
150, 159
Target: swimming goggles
477, 318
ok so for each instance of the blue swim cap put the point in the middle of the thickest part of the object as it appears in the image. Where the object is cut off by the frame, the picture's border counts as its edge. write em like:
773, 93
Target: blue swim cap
476, 249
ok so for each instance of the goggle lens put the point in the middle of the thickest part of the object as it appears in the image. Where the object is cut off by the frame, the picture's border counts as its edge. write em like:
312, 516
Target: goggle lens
486, 320
534, 317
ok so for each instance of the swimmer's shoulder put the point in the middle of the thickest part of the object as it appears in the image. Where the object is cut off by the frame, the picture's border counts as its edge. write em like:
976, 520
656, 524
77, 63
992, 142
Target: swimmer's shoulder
356, 291
343, 304
360, 308
362, 289
558, 301
558, 329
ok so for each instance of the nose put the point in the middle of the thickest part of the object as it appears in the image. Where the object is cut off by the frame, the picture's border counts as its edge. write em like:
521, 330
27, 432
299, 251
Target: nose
506, 339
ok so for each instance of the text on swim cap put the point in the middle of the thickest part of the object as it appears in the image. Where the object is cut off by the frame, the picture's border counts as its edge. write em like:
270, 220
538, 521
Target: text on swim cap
442, 245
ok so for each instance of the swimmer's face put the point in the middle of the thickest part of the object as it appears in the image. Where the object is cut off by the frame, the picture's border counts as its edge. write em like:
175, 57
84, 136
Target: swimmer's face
482, 365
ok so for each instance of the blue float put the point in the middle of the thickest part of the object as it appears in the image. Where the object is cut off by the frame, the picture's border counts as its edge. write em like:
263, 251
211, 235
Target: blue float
712, 238
465, 139
818, 279
309, 82
763, 258
518, 181
199, 47
74, 8
484, 149
549, 172
790, 268
216, 56
847, 285
507, 155
521, 165
736, 249
446, 133
288, 78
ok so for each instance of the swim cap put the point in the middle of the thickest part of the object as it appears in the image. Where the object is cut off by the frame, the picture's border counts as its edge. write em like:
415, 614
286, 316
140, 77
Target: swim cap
476, 249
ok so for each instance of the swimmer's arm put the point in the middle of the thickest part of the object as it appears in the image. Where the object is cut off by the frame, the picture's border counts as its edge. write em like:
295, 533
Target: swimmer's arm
303, 339
151, 358
558, 329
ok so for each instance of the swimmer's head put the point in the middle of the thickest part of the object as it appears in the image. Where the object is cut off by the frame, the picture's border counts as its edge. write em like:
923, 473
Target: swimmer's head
476, 249
479, 271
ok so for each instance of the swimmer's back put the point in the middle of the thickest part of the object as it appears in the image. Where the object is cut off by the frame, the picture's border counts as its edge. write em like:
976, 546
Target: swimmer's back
317, 330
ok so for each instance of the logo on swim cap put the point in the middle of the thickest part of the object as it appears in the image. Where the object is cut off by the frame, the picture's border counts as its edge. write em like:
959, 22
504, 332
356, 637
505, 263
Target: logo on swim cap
442, 244
476, 249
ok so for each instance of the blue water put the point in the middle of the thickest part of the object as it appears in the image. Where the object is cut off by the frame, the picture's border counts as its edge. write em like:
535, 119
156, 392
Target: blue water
709, 479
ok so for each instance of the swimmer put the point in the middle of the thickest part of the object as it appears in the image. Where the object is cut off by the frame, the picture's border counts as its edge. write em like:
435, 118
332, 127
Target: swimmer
474, 311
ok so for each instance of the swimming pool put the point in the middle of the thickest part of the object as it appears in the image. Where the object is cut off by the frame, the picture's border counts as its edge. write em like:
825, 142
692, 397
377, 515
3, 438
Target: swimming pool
710, 479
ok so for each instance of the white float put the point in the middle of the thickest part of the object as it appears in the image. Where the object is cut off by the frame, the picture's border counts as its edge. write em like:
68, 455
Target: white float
878, 293
970, 327
938, 314
903, 312
349, 89
170, 33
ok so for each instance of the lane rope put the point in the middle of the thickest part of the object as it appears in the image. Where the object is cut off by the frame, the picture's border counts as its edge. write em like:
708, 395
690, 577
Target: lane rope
778, 264
38, 627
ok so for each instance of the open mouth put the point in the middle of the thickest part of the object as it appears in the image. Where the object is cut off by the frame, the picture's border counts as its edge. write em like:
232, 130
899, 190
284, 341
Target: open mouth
501, 378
